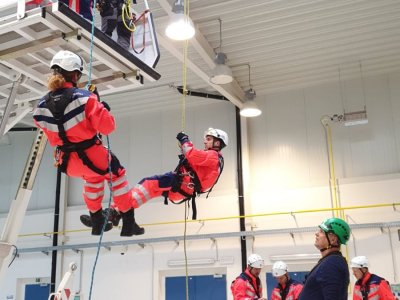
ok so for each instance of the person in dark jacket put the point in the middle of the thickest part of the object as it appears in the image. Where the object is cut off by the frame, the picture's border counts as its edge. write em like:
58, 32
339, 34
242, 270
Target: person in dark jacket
114, 16
330, 278
82, 7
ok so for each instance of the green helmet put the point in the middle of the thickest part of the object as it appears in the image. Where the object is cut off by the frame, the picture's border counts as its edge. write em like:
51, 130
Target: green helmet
337, 226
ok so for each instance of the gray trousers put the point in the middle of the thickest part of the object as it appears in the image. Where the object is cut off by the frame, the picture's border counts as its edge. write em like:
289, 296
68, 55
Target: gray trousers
109, 23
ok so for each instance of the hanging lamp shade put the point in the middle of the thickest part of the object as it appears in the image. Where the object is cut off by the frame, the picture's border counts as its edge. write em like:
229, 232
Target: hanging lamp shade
250, 108
221, 74
180, 26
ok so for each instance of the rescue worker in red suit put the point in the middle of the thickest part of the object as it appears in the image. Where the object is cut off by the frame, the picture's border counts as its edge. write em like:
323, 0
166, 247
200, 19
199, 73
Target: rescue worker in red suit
72, 118
247, 286
197, 173
287, 288
369, 286
204, 164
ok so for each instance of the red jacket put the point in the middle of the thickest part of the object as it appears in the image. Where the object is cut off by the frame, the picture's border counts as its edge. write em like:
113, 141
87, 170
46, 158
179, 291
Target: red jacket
206, 165
243, 289
293, 291
84, 117
376, 287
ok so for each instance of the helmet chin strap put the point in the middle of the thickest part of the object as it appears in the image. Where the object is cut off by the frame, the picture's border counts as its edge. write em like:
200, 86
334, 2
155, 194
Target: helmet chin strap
363, 273
330, 246
214, 147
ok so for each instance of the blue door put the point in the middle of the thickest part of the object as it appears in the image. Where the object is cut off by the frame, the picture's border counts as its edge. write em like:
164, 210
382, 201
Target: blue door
271, 282
37, 291
210, 287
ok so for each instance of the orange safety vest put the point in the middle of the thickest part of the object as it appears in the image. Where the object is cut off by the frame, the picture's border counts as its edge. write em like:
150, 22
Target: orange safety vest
372, 287
291, 291
246, 287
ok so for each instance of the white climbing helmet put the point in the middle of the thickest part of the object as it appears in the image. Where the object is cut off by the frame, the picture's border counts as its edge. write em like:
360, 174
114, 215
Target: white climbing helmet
67, 61
279, 268
219, 134
359, 262
255, 261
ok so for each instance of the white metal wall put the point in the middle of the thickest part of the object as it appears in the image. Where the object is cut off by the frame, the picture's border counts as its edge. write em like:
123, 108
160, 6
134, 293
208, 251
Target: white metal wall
288, 172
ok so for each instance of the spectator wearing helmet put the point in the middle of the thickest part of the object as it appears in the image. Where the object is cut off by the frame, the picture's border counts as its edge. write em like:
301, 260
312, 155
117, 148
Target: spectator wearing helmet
330, 278
368, 286
247, 286
197, 172
287, 288
72, 118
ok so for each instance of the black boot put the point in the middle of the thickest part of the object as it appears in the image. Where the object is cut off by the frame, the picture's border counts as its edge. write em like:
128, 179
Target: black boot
98, 220
113, 215
129, 226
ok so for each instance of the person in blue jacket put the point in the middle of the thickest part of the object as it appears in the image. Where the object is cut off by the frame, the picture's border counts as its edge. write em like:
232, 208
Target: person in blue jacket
330, 278
82, 7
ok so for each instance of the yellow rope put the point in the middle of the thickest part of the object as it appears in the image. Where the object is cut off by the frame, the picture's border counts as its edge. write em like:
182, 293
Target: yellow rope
235, 217
183, 125
126, 10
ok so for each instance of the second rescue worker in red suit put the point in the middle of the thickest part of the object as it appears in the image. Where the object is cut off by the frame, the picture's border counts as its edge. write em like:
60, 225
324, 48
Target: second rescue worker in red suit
247, 286
71, 118
369, 286
205, 164
287, 288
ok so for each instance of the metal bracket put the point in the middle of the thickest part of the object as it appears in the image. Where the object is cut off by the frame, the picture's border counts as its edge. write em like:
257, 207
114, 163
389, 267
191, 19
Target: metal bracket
50, 236
293, 237
295, 219
10, 102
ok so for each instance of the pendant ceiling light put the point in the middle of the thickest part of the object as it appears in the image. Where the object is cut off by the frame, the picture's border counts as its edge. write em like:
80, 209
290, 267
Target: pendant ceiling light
221, 73
250, 107
180, 27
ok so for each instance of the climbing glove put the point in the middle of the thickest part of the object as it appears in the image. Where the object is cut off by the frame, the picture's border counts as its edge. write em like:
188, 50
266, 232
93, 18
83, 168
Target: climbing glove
182, 137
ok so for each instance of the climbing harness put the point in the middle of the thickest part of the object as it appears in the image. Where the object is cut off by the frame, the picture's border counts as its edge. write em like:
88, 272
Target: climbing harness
184, 169
57, 103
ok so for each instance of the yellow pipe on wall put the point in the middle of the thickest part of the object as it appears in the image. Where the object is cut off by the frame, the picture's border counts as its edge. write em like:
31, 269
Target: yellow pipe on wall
341, 209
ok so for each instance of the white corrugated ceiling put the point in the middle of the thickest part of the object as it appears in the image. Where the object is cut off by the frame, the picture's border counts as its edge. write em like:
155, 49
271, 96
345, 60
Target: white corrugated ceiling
288, 44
